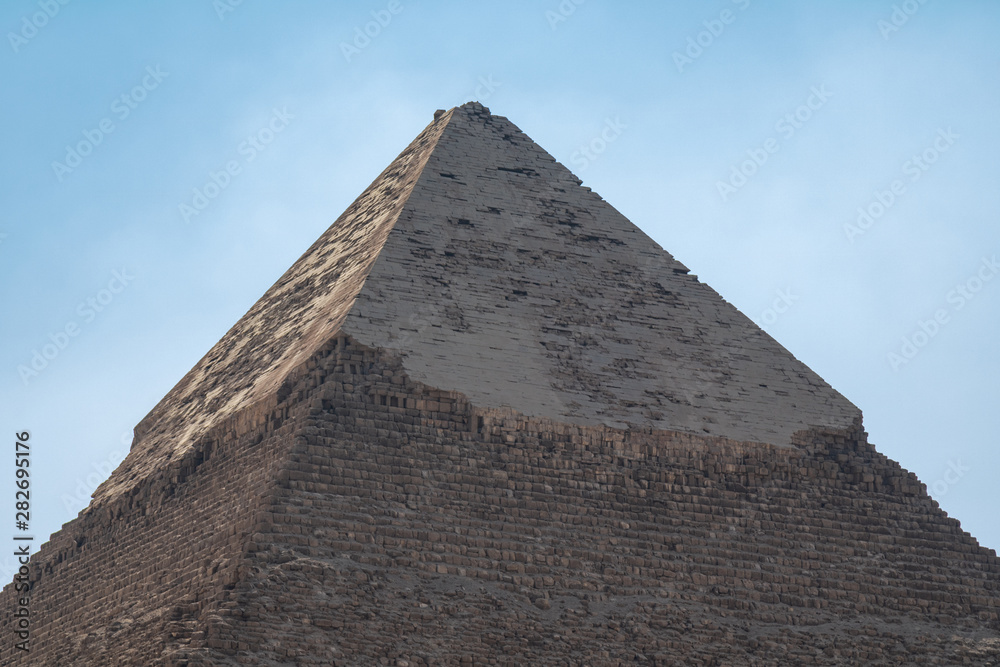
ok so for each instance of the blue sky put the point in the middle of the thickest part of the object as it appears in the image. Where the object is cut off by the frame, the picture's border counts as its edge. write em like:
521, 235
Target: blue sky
747, 136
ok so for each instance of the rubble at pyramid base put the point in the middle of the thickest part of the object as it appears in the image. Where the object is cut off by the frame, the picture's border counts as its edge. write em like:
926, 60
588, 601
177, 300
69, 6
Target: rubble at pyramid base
388, 522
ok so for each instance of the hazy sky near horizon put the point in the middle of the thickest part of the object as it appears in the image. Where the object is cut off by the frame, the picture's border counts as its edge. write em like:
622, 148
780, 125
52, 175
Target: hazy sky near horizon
829, 168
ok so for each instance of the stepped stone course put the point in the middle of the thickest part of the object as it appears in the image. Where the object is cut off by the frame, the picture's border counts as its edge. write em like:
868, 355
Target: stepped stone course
484, 420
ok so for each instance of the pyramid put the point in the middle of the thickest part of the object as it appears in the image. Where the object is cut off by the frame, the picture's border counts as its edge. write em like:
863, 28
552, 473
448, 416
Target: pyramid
485, 420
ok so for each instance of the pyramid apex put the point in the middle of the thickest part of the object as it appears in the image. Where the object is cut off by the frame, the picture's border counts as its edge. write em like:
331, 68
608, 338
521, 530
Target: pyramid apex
475, 107
471, 107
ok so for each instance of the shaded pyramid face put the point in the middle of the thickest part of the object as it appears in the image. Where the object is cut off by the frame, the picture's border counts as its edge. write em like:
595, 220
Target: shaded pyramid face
485, 420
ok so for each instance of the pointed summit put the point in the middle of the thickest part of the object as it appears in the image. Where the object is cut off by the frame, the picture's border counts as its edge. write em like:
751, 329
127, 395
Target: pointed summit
484, 419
